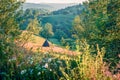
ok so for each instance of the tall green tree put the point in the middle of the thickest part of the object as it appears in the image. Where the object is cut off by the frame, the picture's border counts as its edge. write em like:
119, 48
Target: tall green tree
113, 25
47, 31
78, 31
77, 28
59, 34
113, 29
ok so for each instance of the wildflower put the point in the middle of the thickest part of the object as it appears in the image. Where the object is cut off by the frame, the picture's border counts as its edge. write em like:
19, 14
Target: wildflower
50, 59
50, 69
13, 59
38, 73
23, 72
119, 55
31, 62
19, 65
46, 65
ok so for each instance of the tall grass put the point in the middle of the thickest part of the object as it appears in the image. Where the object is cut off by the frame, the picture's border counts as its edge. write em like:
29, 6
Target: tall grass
89, 67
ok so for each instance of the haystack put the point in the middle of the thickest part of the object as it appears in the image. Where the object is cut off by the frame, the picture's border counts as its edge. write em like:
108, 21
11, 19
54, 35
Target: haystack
46, 44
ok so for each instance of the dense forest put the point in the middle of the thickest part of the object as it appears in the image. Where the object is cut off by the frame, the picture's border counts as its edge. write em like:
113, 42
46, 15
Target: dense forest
84, 41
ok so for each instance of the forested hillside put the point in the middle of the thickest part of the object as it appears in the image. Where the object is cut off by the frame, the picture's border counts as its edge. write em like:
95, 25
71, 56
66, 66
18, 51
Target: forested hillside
73, 10
61, 20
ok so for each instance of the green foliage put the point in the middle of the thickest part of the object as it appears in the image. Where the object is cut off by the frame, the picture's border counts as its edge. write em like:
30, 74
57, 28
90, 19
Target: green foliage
59, 34
47, 31
59, 22
34, 27
25, 17
77, 28
98, 24
8, 24
9, 30
86, 66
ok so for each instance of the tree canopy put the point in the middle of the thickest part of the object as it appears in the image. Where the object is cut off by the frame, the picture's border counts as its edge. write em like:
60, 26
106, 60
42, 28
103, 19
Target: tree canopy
47, 31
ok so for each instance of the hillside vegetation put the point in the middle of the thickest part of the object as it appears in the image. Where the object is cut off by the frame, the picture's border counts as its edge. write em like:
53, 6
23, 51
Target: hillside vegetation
83, 45
61, 20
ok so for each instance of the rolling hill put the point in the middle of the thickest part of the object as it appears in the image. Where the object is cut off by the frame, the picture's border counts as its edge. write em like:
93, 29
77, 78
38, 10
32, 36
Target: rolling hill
61, 19
47, 6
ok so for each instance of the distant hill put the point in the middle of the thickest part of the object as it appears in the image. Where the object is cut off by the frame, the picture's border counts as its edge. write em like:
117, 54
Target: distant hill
74, 10
48, 6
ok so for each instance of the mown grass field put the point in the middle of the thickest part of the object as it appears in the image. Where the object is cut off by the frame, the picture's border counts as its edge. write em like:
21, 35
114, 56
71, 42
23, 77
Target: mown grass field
34, 43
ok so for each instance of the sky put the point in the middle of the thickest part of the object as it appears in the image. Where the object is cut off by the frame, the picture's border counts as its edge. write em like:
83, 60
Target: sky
55, 1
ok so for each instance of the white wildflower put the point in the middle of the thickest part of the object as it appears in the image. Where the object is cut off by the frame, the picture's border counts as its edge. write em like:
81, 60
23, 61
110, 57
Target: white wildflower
46, 65
38, 73
23, 72
19, 65
50, 59
13, 59
31, 62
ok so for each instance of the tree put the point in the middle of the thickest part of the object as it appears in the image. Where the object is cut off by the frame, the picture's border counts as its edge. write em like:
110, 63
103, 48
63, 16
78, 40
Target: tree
100, 20
47, 31
8, 9
63, 42
113, 30
78, 29
59, 34
8, 25
9, 30
113, 25
34, 27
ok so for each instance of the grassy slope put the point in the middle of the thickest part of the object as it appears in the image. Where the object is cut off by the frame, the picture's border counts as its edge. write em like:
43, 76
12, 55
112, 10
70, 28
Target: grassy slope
35, 44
